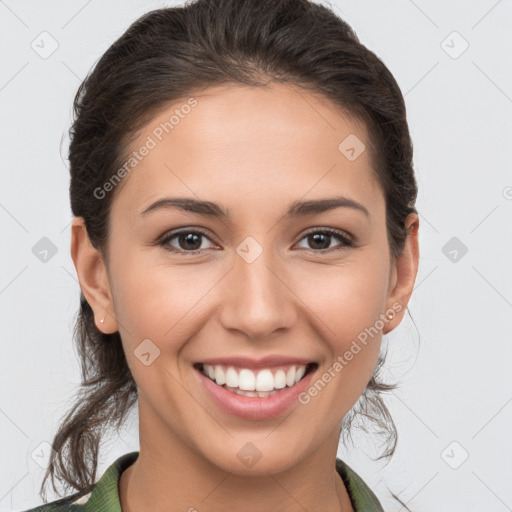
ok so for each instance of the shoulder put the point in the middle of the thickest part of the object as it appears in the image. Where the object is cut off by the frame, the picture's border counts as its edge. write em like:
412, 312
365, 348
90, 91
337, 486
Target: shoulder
75, 502
362, 497
100, 497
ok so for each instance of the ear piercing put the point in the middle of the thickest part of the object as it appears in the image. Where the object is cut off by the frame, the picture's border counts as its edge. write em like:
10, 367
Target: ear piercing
102, 320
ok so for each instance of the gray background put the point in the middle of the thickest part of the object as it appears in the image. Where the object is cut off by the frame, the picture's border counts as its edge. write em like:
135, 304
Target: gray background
453, 409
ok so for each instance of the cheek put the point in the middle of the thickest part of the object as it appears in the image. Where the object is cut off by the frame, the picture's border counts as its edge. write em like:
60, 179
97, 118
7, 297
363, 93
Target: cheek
158, 301
349, 297
349, 300
164, 305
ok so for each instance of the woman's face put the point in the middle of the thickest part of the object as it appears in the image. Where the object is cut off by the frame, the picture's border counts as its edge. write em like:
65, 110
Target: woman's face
265, 280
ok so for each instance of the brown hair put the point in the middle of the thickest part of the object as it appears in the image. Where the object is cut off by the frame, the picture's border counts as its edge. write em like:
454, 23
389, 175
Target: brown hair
163, 56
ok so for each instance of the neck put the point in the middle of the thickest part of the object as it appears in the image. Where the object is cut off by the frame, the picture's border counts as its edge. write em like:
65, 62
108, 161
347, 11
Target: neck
169, 476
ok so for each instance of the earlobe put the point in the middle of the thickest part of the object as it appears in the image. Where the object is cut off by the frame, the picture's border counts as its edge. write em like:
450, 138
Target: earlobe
404, 273
93, 277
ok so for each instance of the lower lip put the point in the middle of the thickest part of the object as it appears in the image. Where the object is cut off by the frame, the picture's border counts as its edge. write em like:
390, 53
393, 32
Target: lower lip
254, 408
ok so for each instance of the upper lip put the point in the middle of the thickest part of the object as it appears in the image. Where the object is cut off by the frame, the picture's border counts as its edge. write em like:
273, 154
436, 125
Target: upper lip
262, 362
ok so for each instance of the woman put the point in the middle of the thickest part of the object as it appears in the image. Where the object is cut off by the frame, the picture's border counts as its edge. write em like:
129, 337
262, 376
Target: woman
244, 233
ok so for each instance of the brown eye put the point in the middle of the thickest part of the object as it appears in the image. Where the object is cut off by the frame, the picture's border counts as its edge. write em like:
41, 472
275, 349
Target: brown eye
187, 241
320, 240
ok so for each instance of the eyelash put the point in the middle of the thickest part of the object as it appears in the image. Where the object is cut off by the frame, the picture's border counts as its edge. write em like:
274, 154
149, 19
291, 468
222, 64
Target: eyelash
347, 242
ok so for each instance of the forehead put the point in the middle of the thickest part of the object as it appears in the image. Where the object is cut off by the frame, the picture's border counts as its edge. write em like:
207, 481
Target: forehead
278, 140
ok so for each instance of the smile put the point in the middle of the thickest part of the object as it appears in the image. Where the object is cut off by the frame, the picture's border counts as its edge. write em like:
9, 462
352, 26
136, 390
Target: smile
259, 383
254, 393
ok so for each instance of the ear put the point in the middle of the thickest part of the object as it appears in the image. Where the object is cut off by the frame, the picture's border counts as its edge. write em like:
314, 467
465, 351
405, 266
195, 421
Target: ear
403, 274
93, 277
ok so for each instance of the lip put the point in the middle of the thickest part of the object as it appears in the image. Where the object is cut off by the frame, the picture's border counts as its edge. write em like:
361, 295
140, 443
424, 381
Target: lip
253, 408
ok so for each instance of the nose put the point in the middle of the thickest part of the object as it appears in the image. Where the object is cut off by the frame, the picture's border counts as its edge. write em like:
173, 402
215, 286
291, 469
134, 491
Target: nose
258, 298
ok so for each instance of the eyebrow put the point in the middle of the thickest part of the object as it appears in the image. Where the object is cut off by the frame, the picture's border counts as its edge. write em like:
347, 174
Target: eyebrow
297, 208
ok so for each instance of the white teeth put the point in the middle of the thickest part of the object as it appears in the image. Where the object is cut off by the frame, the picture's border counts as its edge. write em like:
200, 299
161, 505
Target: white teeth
247, 380
248, 383
290, 377
262, 394
249, 393
259, 394
231, 378
279, 379
265, 381
300, 373
220, 378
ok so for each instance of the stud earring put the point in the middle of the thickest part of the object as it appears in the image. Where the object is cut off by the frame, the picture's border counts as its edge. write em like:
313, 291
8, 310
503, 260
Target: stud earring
102, 320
